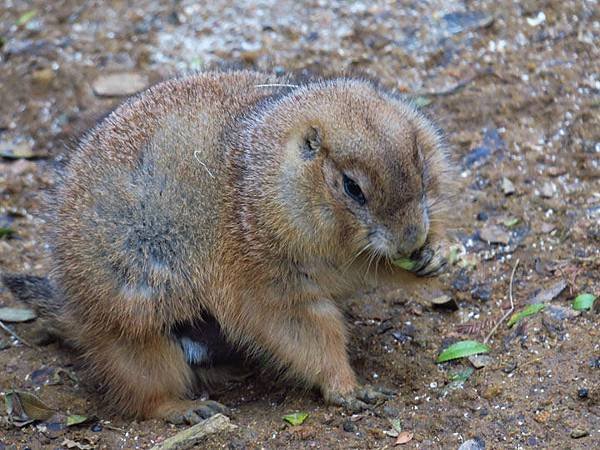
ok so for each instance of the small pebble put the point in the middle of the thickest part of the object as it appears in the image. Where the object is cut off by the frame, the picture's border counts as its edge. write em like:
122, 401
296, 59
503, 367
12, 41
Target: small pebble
400, 336
493, 140
549, 293
558, 312
477, 157
462, 281
43, 78
482, 216
473, 444
537, 20
583, 393
548, 190
510, 367
97, 427
493, 234
553, 326
119, 84
482, 292
458, 22
349, 426
390, 411
508, 188
546, 228
17, 148
55, 426
578, 433
479, 361
444, 301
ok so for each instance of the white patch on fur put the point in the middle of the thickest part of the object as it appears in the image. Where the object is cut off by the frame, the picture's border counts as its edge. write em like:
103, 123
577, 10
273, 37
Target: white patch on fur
195, 352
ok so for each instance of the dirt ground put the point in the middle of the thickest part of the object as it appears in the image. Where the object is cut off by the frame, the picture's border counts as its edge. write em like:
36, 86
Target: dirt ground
515, 85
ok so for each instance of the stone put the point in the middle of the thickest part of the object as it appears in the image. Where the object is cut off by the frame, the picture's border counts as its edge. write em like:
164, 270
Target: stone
479, 361
547, 294
548, 190
508, 188
578, 433
482, 292
493, 234
191, 436
119, 84
43, 78
473, 444
349, 426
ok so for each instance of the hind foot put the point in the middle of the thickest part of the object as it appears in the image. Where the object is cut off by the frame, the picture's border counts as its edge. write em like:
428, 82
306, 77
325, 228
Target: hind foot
193, 412
361, 398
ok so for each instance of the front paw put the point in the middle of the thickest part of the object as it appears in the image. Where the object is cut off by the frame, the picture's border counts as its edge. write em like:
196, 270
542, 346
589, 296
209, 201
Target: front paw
428, 261
361, 398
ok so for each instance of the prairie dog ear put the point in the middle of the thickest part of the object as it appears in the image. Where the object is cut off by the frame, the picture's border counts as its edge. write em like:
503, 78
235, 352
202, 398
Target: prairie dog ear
311, 143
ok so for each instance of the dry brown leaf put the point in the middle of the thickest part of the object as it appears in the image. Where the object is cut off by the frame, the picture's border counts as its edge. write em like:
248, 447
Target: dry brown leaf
24, 408
404, 438
74, 444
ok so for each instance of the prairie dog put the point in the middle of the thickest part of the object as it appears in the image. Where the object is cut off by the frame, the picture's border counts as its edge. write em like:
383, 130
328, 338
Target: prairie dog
237, 203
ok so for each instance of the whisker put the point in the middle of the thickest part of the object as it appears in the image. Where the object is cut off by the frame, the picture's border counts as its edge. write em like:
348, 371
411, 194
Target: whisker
347, 265
371, 256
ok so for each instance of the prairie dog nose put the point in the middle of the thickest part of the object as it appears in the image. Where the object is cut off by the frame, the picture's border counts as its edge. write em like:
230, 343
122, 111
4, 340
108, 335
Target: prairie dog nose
413, 236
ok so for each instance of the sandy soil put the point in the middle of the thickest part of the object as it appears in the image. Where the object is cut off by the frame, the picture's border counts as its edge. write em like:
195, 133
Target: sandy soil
515, 85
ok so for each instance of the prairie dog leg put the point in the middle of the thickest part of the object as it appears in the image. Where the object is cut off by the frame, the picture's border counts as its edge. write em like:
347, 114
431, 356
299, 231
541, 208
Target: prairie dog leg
310, 340
147, 379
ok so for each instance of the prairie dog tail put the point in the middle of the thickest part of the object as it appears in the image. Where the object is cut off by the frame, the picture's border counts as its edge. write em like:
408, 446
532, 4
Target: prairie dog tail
38, 293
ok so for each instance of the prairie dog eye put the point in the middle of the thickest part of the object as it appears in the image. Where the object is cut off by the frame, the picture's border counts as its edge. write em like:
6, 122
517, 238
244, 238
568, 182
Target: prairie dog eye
353, 190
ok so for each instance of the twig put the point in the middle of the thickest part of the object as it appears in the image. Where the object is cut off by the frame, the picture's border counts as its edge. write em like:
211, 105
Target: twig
457, 87
512, 304
527, 363
15, 335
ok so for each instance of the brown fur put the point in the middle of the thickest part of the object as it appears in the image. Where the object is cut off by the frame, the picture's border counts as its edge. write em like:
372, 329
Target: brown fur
212, 194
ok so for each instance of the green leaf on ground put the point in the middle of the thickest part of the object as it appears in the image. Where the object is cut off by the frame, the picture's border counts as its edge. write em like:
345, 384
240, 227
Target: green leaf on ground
26, 17
462, 375
583, 302
453, 254
296, 418
75, 419
529, 311
510, 222
461, 349
396, 425
6, 232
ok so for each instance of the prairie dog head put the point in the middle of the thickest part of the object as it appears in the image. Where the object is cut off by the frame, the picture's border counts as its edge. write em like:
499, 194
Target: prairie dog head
354, 170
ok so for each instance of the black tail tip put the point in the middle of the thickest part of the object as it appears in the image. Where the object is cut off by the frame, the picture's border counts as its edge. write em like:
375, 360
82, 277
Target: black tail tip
29, 289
